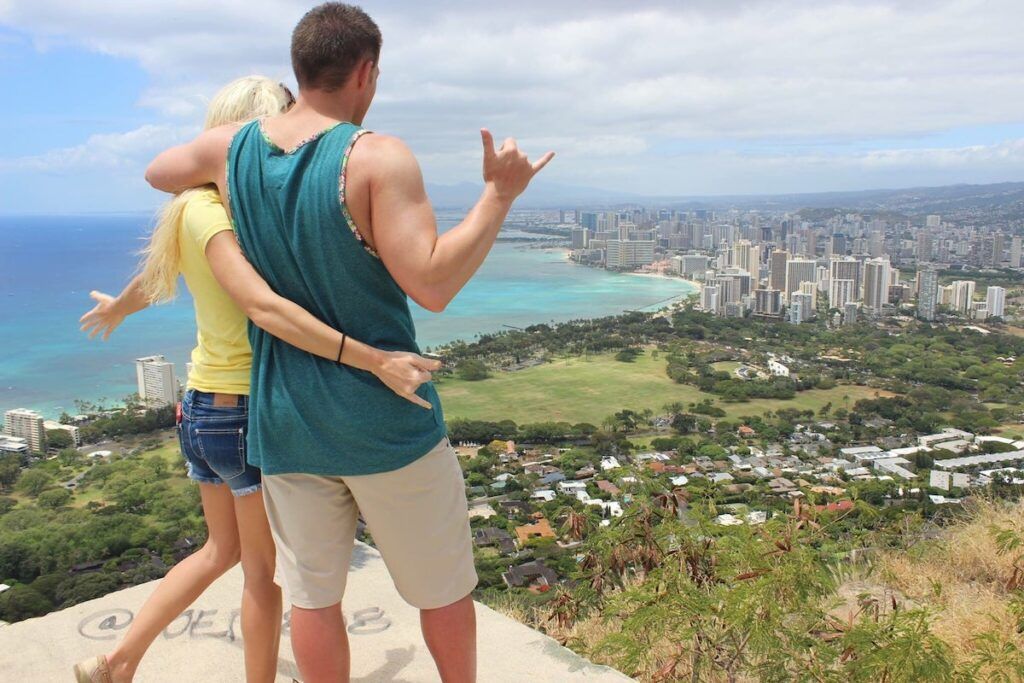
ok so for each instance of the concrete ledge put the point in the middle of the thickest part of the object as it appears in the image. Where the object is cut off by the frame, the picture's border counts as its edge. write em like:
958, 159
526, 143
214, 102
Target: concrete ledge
204, 643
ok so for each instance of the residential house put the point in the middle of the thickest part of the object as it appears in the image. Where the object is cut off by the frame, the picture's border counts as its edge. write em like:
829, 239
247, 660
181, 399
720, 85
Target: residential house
533, 574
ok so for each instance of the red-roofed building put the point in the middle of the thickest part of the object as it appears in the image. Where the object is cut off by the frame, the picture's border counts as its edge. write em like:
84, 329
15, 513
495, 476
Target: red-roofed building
838, 506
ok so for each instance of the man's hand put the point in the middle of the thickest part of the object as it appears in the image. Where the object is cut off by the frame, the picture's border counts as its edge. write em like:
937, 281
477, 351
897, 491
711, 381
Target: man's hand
404, 372
104, 317
507, 170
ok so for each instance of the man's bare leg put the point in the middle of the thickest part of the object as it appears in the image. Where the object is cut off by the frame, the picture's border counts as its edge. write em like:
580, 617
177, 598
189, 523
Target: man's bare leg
320, 644
450, 633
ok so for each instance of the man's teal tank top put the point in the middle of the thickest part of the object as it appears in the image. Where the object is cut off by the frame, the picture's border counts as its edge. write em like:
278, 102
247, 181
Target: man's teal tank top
308, 414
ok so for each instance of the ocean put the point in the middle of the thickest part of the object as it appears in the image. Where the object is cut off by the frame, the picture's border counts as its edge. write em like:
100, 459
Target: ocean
48, 265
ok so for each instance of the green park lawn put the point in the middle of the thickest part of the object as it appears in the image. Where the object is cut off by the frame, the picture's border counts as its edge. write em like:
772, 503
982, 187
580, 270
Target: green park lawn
588, 390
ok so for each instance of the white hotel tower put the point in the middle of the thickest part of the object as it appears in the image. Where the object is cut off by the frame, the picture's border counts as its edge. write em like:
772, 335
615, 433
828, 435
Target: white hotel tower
157, 384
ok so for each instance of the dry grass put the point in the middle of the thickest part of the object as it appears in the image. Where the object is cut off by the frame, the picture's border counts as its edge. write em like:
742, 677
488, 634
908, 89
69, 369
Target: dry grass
961, 576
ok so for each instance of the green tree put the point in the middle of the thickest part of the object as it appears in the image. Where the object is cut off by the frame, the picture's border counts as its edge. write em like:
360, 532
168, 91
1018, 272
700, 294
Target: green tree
472, 370
33, 482
22, 602
58, 438
54, 498
10, 469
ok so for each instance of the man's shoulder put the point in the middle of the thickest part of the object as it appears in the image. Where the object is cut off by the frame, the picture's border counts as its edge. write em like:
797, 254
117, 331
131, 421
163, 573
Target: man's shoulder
380, 153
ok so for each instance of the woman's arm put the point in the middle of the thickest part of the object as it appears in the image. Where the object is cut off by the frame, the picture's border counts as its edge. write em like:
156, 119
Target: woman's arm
109, 311
402, 372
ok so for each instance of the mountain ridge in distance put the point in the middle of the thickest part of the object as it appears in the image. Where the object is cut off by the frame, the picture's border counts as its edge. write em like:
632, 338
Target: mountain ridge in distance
547, 195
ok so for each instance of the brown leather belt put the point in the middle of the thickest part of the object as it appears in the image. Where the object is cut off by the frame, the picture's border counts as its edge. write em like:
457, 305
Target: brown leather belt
226, 400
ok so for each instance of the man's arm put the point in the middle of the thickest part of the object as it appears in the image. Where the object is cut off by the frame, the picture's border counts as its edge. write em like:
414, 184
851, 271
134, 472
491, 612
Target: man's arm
402, 372
429, 268
199, 162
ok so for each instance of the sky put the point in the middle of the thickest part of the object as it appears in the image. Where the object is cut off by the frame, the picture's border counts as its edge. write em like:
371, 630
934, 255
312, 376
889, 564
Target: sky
703, 97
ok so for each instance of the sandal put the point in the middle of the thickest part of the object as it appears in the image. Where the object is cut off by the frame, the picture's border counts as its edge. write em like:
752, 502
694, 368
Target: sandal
93, 670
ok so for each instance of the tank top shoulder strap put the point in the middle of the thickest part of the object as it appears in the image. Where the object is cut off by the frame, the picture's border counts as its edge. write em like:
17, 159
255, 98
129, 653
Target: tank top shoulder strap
347, 138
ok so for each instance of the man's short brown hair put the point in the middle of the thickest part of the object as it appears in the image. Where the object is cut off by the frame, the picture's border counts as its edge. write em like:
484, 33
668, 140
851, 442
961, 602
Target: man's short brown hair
330, 42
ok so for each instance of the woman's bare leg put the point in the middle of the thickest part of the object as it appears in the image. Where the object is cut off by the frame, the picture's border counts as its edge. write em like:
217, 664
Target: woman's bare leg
183, 584
261, 597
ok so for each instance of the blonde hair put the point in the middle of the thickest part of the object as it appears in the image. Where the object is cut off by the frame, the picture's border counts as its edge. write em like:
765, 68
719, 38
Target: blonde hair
241, 100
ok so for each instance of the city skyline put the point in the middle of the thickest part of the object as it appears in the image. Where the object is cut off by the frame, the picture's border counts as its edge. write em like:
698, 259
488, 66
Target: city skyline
716, 98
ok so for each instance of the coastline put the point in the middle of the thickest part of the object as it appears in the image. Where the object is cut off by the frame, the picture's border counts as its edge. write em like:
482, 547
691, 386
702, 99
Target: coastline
519, 284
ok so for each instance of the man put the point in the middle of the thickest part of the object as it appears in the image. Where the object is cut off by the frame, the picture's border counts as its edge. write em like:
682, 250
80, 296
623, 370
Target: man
340, 223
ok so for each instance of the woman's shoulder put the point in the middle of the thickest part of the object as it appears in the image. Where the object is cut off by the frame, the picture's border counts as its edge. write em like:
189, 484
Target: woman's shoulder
201, 201
203, 210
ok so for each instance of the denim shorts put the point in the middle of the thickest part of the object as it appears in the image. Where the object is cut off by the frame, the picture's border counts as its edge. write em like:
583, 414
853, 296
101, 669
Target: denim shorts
213, 442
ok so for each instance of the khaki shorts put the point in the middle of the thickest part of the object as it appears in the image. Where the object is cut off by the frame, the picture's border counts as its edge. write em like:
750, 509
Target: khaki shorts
417, 516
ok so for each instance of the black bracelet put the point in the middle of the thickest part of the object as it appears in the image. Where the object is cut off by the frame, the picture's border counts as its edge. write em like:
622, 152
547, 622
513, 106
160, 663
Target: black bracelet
341, 350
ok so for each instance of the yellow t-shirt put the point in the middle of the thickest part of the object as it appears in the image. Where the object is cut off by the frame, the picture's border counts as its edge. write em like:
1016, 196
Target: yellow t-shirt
222, 358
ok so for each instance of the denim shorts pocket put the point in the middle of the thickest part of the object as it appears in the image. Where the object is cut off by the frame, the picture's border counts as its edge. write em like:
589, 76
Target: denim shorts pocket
223, 449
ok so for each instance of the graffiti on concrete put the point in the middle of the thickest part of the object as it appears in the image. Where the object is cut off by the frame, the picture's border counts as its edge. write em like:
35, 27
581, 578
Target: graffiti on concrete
108, 624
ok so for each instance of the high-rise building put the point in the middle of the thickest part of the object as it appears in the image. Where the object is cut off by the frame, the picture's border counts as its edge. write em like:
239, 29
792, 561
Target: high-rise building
995, 301
607, 221
623, 254
694, 263
876, 284
745, 257
876, 244
838, 245
580, 238
768, 302
811, 290
709, 298
799, 271
998, 247
927, 293
822, 278
846, 269
963, 295
840, 293
933, 221
851, 313
157, 384
588, 220
1016, 244
777, 270
26, 424
800, 308
925, 246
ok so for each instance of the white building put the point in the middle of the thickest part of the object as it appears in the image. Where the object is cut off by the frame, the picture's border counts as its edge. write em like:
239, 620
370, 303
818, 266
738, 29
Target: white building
963, 295
876, 284
995, 301
799, 271
709, 299
75, 432
777, 368
846, 268
609, 462
27, 424
13, 444
157, 384
623, 254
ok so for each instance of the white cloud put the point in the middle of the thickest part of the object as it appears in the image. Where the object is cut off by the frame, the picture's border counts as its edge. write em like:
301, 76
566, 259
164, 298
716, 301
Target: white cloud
104, 152
610, 84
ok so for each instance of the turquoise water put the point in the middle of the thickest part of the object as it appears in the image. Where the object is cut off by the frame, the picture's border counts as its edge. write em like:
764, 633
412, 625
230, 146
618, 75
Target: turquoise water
48, 266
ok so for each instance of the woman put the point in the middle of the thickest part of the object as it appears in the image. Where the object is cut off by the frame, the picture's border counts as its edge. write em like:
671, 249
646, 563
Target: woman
193, 238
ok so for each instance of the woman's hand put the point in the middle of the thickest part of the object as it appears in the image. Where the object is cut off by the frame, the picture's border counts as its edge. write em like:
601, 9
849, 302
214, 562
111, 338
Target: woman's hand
404, 372
104, 317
